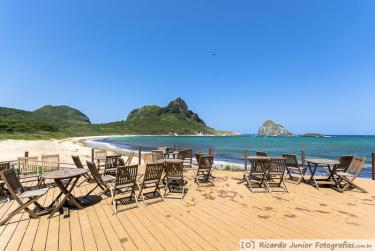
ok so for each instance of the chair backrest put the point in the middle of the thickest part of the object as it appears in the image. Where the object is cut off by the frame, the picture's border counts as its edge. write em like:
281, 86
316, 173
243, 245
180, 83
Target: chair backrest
345, 161
198, 156
153, 173
112, 161
163, 148
4, 166
126, 176
277, 165
356, 166
130, 158
261, 154
174, 170
77, 161
28, 165
100, 154
12, 182
189, 153
50, 162
205, 162
181, 154
291, 160
157, 155
94, 171
259, 165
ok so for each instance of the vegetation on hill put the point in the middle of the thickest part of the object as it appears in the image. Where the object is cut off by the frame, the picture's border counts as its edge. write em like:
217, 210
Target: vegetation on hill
63, 121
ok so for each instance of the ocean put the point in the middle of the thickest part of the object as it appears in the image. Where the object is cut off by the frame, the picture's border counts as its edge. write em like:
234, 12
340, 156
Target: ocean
230, 149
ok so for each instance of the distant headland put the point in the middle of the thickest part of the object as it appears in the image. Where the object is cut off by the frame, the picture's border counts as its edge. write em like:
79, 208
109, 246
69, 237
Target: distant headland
64, 121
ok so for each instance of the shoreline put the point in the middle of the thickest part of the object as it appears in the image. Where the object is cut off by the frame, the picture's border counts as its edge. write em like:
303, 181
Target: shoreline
10, 149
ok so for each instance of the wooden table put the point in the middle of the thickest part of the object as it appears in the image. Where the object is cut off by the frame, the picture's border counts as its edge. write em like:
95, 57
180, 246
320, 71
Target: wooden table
70, 177
313, 165
169, 161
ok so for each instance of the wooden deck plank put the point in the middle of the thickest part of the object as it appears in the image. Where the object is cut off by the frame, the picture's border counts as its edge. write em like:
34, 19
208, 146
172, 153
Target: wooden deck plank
210, 218
43, 227
86, 227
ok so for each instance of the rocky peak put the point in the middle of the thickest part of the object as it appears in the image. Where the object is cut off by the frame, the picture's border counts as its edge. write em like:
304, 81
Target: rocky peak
270, 128
177, 105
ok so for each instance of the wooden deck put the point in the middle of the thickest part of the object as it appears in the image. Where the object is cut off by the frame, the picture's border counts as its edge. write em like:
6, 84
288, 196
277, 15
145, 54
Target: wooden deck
209, 218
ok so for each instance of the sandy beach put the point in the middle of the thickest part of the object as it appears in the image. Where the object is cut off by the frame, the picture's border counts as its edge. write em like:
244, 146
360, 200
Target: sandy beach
12, 149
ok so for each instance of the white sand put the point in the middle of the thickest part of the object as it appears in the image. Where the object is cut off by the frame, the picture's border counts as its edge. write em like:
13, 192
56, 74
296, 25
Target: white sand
11, 149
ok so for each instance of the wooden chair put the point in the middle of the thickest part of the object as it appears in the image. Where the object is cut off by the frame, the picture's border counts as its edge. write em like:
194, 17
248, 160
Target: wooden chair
276, 174
346, 178
78, 164
3, 191
261, 154
50, 163
198, 157
102, 181
28, 168
152, 179
204, 172
181, 154
345, 161
129, 160
175, 179
164, 149
256, 177
18, 193
111, 164
157, 155
100, 156
125, 183
188, 160
295, 171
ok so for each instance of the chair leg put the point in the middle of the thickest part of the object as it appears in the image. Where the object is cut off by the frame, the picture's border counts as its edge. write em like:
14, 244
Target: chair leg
140, 194
351, 183
114, 204
135, 197
161, 195
23, 206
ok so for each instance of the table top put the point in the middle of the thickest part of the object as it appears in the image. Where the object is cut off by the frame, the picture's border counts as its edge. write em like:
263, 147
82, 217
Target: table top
65, 173
257, 157
323, 161
174, 161
263, 157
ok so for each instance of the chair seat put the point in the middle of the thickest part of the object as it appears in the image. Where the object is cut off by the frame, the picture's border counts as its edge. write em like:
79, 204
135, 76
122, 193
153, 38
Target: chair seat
34, 193
344, 174
108, 178
294, 167
31, 175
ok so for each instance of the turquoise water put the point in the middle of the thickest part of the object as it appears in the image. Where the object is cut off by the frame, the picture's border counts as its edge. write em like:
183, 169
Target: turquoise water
232, 148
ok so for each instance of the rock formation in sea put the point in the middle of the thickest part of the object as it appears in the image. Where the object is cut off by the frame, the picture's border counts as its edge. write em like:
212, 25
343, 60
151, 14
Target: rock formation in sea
270, 128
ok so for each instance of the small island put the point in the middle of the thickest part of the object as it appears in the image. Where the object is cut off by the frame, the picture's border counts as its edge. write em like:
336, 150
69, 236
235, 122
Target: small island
270, 128
314, 135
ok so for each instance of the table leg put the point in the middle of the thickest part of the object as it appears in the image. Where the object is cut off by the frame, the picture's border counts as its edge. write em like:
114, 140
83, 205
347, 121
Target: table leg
61, 193
332, 175
312, 172
68, 195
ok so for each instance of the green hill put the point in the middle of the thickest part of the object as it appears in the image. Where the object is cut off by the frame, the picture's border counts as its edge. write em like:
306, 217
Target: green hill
61, 113
174, 118
63, 121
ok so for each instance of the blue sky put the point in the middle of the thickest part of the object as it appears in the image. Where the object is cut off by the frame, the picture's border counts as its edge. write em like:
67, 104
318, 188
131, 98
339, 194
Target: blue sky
309, 65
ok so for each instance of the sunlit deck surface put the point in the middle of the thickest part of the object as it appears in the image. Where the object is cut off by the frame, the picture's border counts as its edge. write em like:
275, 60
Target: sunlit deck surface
208, 218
